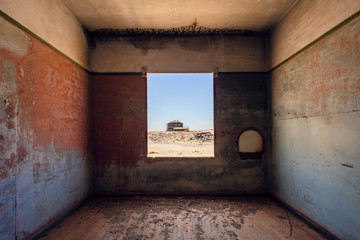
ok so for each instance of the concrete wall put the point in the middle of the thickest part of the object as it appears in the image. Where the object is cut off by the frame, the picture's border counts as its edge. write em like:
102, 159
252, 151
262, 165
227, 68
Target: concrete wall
52, 22
316, 128
44, 164
121, 165
170, 54
307, 21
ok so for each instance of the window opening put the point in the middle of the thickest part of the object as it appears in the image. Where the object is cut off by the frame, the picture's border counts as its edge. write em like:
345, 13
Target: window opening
180, 115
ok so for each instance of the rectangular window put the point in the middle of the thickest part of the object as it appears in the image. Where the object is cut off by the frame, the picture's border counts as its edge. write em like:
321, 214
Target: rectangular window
180, 115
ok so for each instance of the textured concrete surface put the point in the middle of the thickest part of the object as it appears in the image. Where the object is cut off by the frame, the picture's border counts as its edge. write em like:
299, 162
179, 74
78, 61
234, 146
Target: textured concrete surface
305, 22
52, 22
166, 54
119, 14
120, 128
316, 131
44, 162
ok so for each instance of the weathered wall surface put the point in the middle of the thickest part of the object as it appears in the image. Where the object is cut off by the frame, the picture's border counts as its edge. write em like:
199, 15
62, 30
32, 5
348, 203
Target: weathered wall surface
316, 131
170, 54
52, 22
120, 129
44, 163
307, 21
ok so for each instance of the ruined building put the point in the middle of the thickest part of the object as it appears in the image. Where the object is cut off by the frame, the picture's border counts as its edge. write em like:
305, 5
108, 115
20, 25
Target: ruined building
73, 114
176, 125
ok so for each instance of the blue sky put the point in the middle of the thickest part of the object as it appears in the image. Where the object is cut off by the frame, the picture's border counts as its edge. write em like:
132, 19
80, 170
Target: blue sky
184, 97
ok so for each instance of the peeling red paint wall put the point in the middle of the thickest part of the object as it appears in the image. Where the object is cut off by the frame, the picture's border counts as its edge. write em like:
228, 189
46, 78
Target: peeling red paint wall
324, 79
59, 91
316, 131
44, 125
119, 121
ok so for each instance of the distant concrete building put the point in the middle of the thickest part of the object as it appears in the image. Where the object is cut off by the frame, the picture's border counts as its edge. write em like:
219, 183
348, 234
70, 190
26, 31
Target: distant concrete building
176, 125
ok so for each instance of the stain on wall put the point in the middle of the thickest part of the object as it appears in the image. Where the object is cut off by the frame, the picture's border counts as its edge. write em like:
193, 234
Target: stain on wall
316, 131
120, 134
44, 123
180, 54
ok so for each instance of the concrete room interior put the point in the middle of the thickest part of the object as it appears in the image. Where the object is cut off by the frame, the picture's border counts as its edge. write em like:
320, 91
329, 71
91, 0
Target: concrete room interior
73, 117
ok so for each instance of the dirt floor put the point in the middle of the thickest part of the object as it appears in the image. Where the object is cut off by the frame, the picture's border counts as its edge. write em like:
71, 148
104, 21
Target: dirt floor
184, 144
182, 218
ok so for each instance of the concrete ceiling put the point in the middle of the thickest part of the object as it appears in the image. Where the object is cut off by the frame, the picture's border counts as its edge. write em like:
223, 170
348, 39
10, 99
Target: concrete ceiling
253, 15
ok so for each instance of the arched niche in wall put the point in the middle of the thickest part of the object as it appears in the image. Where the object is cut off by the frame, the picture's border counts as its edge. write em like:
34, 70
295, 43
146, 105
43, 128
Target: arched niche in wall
250, 144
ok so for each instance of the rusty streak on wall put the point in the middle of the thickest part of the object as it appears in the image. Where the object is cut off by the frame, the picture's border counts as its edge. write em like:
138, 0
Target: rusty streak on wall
120, 130
44, 124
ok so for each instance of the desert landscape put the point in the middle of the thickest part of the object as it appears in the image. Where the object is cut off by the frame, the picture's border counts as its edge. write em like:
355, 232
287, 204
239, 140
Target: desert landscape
181, 144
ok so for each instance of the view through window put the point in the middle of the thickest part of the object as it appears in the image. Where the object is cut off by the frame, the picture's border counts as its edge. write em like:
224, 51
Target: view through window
180, 115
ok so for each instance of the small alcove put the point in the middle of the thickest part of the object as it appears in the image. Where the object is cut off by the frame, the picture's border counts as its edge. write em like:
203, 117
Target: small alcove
250, 144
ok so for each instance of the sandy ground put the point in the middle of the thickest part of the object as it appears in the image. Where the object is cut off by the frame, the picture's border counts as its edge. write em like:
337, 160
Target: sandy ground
180, 149
180, 218
184, 144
